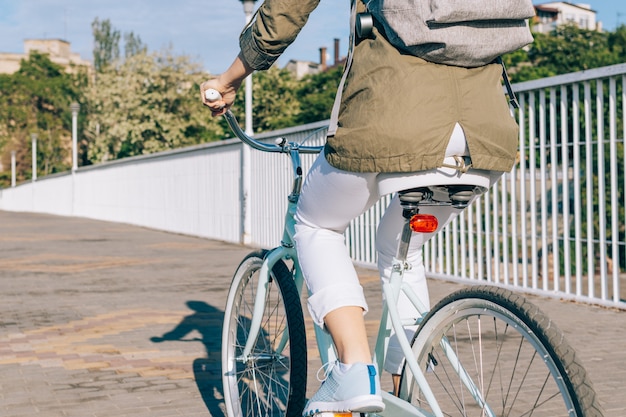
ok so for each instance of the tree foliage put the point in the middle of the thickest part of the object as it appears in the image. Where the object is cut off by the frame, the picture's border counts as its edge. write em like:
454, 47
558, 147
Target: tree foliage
276, 103
282, 101
147, 103
317, 94
133, 45
567, 49
106, 41
142, 102
36, 100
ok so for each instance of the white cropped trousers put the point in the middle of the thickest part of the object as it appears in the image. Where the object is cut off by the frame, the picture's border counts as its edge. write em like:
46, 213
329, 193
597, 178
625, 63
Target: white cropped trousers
331, 198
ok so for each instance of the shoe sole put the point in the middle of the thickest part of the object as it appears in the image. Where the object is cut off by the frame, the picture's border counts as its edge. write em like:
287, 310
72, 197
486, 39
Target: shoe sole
362, 404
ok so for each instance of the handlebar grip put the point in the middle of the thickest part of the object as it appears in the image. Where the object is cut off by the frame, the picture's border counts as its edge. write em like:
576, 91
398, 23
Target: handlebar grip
212, 95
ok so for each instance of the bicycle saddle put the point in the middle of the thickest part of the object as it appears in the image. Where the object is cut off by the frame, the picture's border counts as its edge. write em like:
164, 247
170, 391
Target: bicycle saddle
456, 195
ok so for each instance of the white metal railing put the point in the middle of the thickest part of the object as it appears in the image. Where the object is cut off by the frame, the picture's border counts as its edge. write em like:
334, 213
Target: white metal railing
193, 191
554, 225
271, 176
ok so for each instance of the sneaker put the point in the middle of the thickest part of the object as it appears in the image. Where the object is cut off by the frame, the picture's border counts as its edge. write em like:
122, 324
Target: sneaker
356, 390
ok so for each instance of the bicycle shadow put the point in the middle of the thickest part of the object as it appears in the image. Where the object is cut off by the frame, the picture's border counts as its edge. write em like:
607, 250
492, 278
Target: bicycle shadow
207, 321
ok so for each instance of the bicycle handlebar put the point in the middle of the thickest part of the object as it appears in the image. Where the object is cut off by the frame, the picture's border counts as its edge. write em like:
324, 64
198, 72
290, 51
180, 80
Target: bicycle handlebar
283, 146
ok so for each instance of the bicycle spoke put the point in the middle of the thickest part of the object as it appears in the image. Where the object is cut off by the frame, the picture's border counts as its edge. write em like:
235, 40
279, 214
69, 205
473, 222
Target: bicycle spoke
479, 346
264, 383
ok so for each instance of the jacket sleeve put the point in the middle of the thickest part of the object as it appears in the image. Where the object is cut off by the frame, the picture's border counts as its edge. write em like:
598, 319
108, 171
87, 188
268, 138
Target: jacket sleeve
273, 28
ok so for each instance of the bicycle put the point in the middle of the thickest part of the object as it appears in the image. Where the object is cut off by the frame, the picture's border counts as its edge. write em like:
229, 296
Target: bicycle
480, 351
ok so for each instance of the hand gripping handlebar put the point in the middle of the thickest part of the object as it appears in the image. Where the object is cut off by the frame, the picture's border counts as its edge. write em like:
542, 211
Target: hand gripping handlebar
281, 145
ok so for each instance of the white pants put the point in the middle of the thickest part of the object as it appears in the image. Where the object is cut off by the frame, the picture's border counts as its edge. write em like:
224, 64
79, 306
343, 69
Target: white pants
331, 198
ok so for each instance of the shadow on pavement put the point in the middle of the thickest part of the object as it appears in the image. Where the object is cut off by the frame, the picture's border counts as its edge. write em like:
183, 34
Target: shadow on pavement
207, 321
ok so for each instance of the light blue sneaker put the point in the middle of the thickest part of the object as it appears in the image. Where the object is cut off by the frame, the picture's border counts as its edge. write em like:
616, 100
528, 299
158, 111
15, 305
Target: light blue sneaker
356, 390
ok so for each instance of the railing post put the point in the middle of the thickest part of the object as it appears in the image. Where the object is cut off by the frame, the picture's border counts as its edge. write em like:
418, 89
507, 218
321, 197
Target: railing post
74, 108
13, 169
33, 137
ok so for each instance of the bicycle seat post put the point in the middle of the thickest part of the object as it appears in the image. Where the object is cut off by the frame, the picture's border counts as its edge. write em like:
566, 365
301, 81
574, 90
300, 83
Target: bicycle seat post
409, 200
407, 232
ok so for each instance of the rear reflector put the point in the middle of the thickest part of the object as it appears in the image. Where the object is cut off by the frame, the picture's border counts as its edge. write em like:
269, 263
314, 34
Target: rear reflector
423, 223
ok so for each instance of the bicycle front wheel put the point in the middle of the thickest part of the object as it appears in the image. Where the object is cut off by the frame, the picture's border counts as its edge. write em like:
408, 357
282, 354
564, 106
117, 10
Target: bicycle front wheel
271, 380
486, 351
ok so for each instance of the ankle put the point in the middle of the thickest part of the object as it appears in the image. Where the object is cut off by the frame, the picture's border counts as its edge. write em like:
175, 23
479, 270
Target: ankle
356, 357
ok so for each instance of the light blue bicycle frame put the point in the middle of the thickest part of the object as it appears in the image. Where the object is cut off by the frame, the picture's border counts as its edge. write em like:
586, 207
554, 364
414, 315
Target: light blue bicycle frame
392, 289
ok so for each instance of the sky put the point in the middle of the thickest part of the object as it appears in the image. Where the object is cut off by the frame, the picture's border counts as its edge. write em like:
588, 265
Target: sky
206, 30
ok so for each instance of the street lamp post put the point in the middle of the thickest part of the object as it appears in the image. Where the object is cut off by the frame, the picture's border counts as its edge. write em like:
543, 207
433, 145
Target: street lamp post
74, 107
248, 9
33, 138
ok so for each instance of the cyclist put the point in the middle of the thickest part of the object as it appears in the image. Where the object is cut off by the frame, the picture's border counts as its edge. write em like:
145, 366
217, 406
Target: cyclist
400, 118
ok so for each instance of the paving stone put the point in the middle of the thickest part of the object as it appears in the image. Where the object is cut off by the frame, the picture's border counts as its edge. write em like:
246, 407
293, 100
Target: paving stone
110, 320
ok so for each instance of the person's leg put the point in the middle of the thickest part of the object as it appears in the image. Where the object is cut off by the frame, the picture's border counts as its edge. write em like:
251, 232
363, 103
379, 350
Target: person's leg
388, 237
347, 327
330, 199
387, 240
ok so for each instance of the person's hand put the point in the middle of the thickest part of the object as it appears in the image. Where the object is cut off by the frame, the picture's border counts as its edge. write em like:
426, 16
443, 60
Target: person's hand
227, 85
218, 107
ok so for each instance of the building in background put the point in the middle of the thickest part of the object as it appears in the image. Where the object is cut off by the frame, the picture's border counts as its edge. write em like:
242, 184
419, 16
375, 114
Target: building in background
550, 15
302, 68
57, 49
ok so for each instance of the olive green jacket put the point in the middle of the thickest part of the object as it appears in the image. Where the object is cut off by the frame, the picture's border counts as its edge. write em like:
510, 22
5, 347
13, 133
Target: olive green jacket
397, 111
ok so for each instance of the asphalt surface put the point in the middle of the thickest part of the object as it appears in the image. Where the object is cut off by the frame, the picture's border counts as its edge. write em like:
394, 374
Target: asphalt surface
103, 319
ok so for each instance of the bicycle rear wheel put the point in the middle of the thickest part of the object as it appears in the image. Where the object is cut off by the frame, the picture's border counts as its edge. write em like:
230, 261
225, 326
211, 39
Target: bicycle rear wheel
514, 356
272, 380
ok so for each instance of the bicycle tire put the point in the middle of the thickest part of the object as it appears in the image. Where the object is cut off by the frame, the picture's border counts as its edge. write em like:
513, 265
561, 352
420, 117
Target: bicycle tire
514, 354
268, 383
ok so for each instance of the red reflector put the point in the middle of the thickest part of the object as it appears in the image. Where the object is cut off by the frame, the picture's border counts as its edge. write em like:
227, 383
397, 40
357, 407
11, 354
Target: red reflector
423, 223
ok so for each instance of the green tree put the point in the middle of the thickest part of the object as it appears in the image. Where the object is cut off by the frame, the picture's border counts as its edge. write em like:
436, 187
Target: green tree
133, 45
106, 48
275, 101
617, 43
567, 49
145, 104
317, 94
282, 101
36, 100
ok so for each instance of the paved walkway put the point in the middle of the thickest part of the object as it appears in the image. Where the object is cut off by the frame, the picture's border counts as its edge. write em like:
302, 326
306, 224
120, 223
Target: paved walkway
103, 319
